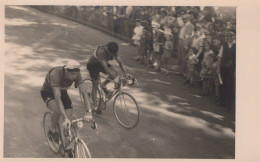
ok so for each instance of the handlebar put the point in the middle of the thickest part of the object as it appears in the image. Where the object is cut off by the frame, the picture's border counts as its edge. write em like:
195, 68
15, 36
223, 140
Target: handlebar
93, 125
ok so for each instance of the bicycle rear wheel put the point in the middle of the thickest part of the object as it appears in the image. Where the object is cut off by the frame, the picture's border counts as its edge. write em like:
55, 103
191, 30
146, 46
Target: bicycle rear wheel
46, 127
126, 110
81, 150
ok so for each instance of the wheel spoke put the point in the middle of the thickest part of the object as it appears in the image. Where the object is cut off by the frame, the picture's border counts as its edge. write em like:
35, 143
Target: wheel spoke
126, 110
81, 150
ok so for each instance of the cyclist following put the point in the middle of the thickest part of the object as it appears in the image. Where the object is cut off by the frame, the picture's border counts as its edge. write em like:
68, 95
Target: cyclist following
97, 63
55, 95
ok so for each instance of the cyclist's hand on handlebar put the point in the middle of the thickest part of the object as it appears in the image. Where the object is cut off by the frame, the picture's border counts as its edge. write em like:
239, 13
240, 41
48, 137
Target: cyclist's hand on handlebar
117, 79
88, 116
66, 124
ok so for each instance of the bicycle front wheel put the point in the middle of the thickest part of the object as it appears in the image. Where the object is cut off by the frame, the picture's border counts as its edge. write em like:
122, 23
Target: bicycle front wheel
46, 127
126, 110
81, 150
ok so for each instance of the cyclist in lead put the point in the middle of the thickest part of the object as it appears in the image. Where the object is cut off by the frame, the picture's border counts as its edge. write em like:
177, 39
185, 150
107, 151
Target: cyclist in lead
55, 95
97, 63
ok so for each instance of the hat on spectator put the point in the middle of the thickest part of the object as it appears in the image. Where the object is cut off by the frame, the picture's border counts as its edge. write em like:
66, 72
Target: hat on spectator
198, 25
186, 16
161, 29
232, 31
138, 20
144, 22
181, 12
204, 31
167, 33
145, 29
155, 24
163, 11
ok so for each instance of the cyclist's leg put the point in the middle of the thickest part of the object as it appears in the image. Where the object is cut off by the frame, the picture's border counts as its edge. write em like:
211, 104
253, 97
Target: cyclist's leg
53, 106
94, 92
68, 109
94, 70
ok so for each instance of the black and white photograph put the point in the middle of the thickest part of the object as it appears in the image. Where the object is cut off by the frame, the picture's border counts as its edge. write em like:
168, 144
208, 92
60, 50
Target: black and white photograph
120, 81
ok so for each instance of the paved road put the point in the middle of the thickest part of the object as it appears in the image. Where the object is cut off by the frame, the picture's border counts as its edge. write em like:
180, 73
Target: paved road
175, 121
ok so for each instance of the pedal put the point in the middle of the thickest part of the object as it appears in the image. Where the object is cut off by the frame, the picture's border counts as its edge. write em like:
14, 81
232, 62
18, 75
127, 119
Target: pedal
94, 125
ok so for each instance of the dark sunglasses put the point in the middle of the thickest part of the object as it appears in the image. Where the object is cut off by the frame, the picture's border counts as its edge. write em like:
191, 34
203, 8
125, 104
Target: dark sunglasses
73, 70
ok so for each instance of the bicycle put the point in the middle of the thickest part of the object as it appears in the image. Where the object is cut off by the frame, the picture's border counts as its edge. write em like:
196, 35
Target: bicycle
71, 136
127, 115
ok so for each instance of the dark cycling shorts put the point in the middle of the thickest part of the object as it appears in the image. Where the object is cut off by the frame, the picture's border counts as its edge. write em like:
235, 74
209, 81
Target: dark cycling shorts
94, 67
47, 96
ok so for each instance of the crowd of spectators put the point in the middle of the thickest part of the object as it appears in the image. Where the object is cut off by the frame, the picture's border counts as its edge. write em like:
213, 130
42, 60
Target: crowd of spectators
201, 38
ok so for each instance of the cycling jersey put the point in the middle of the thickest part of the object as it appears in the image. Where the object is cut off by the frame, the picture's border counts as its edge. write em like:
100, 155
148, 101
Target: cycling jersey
55, 78
94, 65
102, 54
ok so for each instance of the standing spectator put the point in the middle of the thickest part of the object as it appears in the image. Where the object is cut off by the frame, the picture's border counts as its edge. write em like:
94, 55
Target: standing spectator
144, 46
156, 15
179, 18
197, 45
191, 62
104, 18
183, 42
138, 31
167, 52
227, 70
197, 41
120, 18
128, 21
175, 32
207, 70
158, 47
154, 48
163, 17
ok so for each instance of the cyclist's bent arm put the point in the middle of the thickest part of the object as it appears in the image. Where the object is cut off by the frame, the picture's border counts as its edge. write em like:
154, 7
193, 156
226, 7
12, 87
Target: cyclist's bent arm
120, 65
57, 96
104, 64
84, 92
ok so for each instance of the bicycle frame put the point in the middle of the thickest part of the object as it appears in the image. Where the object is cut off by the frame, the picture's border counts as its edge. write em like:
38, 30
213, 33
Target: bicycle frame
75, 137
119, 90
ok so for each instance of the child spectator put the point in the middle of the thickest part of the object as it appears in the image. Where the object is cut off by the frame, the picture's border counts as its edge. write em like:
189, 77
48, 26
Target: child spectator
191, 62
144, 46
138, 31
216, 81
167, 51
207, 70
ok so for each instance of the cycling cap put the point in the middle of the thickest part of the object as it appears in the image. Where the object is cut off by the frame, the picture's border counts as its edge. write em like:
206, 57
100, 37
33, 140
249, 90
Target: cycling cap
72, 64
112, 47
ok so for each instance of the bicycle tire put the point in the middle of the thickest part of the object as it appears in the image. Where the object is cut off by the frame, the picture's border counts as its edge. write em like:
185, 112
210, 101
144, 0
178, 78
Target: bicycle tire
81, 149
126, 115
47, 118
